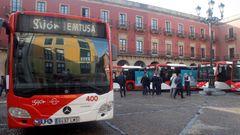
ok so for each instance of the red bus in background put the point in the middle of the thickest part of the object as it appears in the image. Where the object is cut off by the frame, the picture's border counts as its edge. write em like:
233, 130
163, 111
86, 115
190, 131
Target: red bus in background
235, 84
59, 70
222, 72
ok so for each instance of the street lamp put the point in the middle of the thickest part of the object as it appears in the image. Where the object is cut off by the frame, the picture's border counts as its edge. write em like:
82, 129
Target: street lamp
210, 20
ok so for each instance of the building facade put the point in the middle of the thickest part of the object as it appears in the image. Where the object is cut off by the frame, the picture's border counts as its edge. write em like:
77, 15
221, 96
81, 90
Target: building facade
143, 34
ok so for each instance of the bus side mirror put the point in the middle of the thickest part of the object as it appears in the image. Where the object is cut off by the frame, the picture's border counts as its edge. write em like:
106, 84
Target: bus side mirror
114, 52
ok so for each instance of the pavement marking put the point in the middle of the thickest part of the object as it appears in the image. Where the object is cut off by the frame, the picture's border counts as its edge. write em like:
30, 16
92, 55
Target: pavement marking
3, 102
191, 122
115, 128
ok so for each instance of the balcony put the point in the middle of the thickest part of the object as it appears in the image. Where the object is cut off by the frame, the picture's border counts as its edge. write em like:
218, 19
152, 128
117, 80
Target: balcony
139, 27
109, 21
181, 34
230, 37
155, 30
231, 57
123, 25
203, 37
168, 32
192, 36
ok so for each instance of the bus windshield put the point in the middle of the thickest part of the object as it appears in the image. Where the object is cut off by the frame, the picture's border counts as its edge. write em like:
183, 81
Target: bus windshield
46, 64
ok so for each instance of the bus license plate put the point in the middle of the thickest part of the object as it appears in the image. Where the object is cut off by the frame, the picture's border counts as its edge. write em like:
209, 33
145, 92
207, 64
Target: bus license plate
67, 120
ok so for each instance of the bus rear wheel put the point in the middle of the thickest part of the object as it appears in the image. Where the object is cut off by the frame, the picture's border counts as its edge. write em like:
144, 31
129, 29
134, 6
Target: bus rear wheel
130, 86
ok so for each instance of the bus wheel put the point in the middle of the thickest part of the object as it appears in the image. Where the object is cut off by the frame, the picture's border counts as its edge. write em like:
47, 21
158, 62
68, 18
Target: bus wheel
130, 86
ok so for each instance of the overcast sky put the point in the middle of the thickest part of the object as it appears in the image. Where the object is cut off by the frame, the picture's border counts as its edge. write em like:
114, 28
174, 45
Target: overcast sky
232, 7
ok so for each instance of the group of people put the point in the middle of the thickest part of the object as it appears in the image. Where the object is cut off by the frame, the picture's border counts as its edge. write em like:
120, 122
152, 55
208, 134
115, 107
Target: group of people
176, 83
3, 85
156, 84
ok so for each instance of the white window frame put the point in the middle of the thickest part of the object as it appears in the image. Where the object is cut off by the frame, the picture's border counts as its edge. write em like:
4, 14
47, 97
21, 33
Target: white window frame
60, 8
88, 12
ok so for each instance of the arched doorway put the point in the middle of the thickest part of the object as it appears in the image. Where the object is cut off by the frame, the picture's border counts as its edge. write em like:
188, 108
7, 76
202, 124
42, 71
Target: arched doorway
193, 64
155, 62
140, 63
122, 62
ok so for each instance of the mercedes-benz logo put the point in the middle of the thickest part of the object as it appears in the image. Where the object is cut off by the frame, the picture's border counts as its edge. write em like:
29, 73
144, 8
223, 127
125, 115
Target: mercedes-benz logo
67, 110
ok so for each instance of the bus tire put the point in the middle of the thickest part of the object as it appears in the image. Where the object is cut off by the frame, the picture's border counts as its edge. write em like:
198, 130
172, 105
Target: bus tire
129, 86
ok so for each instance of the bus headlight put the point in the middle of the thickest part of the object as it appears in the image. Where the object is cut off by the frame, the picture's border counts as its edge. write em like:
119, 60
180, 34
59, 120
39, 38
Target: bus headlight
18, 112
106, 107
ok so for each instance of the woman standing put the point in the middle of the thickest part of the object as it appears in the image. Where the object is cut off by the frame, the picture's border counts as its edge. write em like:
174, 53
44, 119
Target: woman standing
173, 84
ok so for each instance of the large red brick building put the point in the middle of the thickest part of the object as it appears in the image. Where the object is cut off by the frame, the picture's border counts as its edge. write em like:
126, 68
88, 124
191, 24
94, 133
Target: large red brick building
143, 34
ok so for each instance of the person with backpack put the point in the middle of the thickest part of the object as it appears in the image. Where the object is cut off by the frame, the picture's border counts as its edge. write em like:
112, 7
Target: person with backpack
179, 88
145, 83
122, 81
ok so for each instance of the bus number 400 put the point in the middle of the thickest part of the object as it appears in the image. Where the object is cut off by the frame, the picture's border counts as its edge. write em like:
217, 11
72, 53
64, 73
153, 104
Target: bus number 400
92, 98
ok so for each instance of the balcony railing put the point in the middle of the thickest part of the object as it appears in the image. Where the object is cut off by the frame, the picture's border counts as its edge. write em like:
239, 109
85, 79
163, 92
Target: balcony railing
155, 30
192, 36
231, 57
203, 37
181, 34
123, 25
139, 27
168, 32
109, 21
230, 37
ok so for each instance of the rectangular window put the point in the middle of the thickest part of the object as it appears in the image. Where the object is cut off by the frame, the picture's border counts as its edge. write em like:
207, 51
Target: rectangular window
180, 29
231, 52
60, 54
85, 55
48, 54
41, 6
122, 45
85, 12
180, 50
60, 41
48, 67
168, 28
202, 33
64, 9
203, 52
104, 16
154, 24
122, 19
60, 67
85, 67
154, 48
192, 52
16, 5
192, 31
139, 46
169, 49
139, 22
48, 41
230, 32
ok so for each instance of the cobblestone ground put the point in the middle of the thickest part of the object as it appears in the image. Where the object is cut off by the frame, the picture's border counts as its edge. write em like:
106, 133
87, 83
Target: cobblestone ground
153, 115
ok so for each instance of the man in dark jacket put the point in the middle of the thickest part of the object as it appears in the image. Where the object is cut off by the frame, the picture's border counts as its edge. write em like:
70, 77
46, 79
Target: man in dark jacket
145, 82
159, 85
155, 81
178, 82
121, 81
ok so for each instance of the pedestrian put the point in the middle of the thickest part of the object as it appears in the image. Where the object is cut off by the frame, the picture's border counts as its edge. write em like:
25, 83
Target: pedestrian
1, 87
145, 83
122, 81
172, 84
187, 84
155, 81
159, 85
179, 88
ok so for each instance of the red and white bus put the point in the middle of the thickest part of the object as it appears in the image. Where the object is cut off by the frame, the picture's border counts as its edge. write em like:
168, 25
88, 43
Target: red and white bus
222, 72
235, 84
166, 71
59, 70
